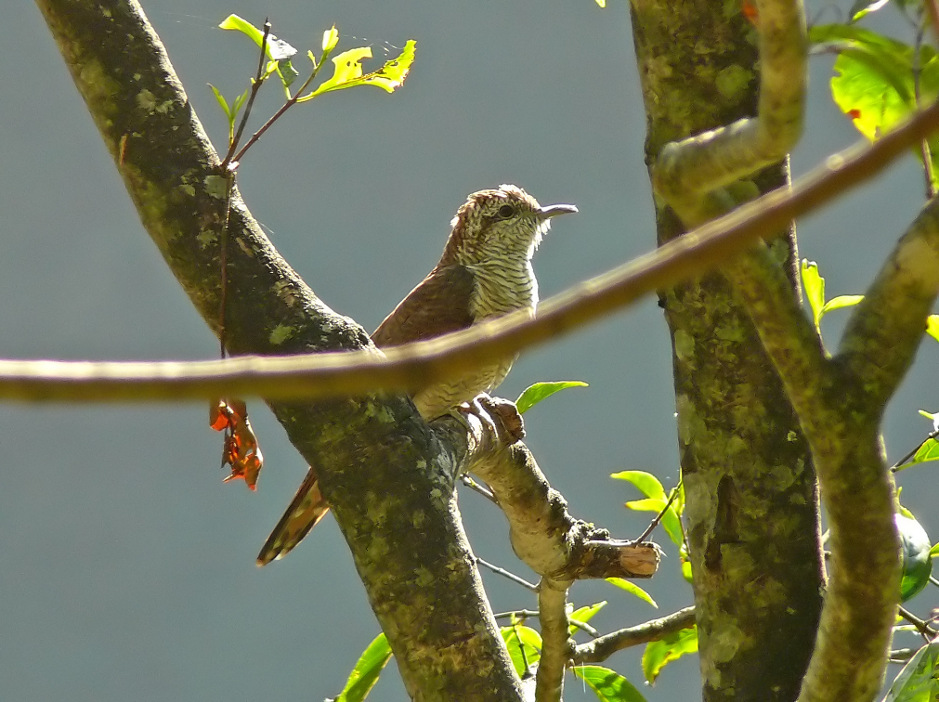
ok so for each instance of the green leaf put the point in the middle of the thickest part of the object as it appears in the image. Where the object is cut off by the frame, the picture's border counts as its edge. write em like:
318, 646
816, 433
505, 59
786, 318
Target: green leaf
534, 394
874, 82
673, 646
814, 286
840, 302
276, 49
221, 101
585, 614
863, 7
330, 39
633, 589
927, 451
524, 646
608, 685
348, 71
915, 556
918, 681
366, 671
647, 483
932, 326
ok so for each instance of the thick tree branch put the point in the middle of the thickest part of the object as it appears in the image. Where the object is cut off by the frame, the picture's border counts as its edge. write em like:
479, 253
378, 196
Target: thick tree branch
686, 171
556, 646
385, 473
332, 375
886, 328
543, 533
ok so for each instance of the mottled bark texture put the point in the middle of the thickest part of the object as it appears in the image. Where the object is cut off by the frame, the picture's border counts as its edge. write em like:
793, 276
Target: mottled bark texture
386, 474
752, 507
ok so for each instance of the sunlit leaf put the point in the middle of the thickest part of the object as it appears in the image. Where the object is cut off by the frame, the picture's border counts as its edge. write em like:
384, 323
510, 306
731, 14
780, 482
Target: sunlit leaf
915, 556
928, 451
863, 7
814, 286
874, 81
919, 679
633, 589
686, 570
840, 302
534, 394
647, 483
348, 71
585, 614
524, 646
366, 671
932, 326
276, 49
330, 39
608, 685
221, 101
673, 646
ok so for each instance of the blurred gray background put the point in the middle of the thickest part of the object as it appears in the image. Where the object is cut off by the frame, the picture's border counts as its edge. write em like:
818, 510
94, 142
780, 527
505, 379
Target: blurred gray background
128, 567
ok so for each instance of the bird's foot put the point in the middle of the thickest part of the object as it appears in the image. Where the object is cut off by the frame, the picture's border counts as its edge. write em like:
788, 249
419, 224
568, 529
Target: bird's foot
499, 415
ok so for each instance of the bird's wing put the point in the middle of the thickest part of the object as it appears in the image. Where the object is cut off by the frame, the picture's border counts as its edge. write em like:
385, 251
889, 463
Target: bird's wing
440, 304
306, 509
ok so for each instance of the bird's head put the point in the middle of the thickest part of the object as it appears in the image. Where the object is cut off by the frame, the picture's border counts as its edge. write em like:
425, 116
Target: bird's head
502, 224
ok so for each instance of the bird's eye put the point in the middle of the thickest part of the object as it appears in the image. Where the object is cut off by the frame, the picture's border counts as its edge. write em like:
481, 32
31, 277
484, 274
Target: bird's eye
506, 211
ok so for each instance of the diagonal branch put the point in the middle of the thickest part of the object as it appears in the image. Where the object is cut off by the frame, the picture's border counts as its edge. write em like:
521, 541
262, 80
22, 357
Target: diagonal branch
601, 648
331, 375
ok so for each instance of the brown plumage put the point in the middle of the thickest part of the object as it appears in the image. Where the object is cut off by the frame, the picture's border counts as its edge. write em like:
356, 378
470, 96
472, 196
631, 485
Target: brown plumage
485, 272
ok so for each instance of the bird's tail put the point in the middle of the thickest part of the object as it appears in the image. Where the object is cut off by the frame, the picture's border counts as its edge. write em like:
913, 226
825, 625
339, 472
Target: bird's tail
306, 509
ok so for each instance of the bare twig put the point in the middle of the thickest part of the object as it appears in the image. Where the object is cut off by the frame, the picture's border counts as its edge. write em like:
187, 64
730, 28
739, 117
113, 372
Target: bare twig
255, 88
498, 570
658, 518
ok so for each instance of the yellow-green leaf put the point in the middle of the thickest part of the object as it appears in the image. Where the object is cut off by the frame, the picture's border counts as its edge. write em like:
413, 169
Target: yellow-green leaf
330, 39
524, 646
633, 589
366, 671
673, 646
276, 49
647, 483
348, 71
537, 392
932, 326
608, 685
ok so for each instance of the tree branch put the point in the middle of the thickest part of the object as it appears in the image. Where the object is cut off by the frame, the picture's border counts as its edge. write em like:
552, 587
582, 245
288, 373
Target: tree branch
600, 649
886, 328
383, 470
556, 645
332, 375
687, 170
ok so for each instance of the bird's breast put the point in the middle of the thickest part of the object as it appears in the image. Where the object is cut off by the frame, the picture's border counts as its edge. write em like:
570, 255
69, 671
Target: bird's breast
501, 289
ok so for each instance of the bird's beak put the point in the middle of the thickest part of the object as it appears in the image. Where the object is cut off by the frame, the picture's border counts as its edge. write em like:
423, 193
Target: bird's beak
555, 210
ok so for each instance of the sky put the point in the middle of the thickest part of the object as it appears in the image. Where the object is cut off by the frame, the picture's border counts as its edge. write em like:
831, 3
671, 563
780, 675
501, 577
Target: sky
128, 566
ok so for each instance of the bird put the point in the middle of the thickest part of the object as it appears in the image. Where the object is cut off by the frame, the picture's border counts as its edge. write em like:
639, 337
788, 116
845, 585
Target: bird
485, 272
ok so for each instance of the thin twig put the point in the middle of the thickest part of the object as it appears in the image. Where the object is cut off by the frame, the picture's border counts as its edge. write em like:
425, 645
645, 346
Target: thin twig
472, 484
922, 626
255, 88
932, 435
291, 101
517, 579
658, 518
